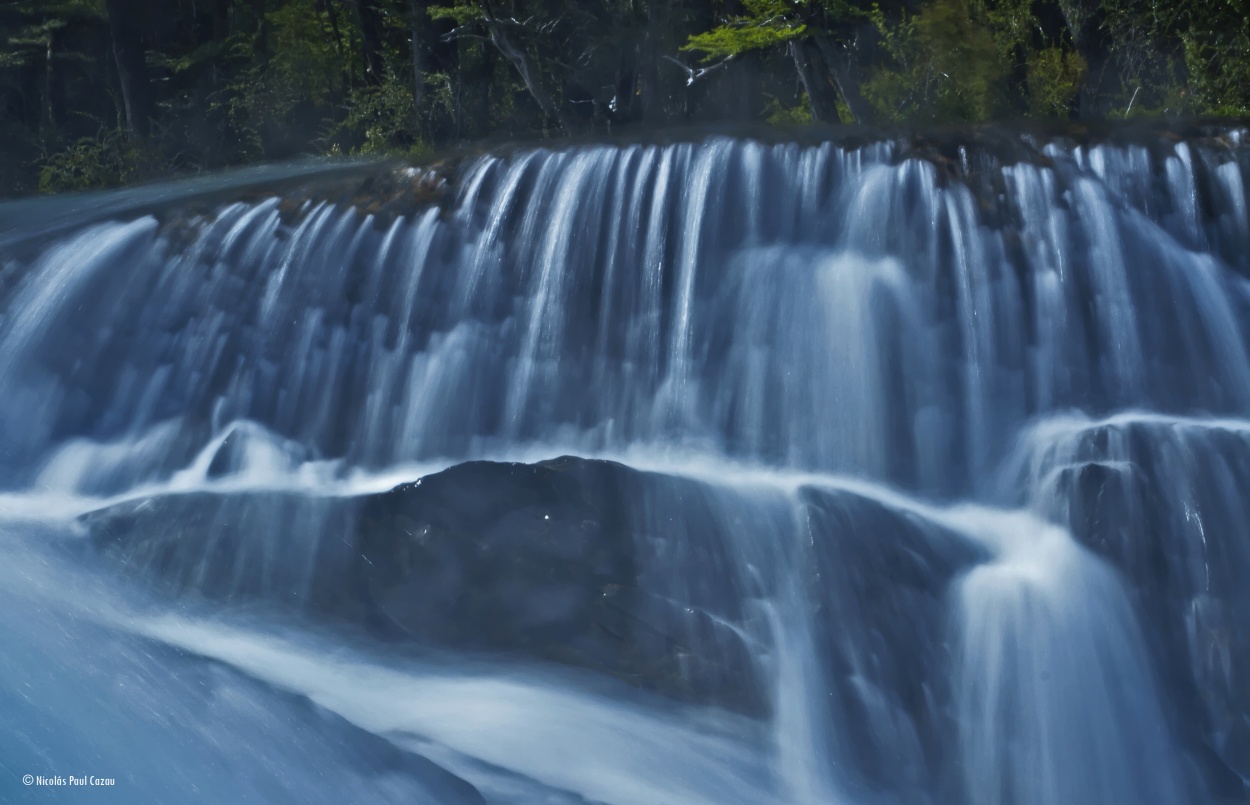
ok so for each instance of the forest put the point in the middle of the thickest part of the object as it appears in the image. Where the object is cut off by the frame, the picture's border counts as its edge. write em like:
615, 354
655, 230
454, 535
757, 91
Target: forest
95, 93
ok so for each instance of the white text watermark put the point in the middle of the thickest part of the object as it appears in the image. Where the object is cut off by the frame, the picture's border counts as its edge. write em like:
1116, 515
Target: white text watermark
87, 780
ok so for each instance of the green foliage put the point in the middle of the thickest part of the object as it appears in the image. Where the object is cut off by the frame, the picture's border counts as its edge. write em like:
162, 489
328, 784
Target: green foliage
461, 14
1218, 64
1055, 76
897, 36
1182, 56
964, 62
381, 117
766, 23
111, 158
1011, 24
889, 87
778, 114
39, 23
237, 104
947, 65
233, 81
207, 53
305, 66
440, 98
730, 40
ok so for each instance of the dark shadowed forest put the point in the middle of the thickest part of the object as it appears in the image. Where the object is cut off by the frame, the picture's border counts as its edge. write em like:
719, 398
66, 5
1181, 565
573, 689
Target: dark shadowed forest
102, 92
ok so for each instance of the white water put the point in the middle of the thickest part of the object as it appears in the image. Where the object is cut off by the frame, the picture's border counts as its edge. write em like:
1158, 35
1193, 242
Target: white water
874, 389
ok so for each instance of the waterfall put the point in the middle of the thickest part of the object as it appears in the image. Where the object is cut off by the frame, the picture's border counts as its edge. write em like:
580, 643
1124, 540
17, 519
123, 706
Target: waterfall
720, 470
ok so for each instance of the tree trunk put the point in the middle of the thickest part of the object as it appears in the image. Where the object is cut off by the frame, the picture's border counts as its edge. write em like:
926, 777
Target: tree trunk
815, 83
124, 19
521, 61
49, 108
441, 54
260, 45
842, 66
1085, 21
336, 36
221, 20
370, 23
416, 16
650, 83
221, 32
621, 107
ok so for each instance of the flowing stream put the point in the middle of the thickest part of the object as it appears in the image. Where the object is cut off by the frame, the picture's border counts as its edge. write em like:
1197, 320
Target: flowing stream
725, 471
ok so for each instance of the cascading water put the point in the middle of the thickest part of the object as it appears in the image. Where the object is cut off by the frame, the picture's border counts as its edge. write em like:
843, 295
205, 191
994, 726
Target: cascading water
894, 472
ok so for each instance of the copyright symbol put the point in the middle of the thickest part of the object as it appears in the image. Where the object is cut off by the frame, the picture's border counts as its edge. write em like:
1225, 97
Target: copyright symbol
27, 780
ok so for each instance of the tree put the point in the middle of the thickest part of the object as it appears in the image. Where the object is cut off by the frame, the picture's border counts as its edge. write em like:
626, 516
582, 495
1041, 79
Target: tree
819, 37
125, 29
94, 92
509, 35
369, 21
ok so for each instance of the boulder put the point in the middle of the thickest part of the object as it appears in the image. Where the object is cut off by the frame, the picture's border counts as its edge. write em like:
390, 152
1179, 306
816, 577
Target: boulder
561, 560
581, 562
239, 546
878, 581
1165, 505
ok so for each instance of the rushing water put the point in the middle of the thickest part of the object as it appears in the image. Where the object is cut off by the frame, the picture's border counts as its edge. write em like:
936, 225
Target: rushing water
934, 480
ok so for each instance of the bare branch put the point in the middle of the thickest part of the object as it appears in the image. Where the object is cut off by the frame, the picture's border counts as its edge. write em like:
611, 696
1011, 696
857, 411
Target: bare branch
463, 32
693, 75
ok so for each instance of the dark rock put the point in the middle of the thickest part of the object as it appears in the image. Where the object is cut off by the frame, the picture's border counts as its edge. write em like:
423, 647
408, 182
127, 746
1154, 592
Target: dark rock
878, 580
1165, 505
285, 547
173, 726
587, 563
557, 560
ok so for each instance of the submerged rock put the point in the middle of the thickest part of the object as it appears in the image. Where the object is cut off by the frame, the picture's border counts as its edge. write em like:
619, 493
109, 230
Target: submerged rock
559, 560
878, 580
1164, 503
169, 726
672, 585
279, 546
563, 560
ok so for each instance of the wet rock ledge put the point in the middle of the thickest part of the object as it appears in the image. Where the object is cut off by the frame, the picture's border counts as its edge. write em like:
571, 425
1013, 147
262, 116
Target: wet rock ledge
559, 561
